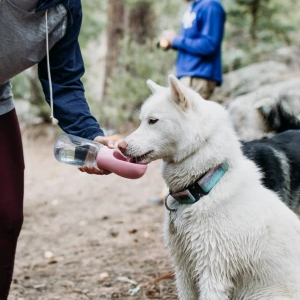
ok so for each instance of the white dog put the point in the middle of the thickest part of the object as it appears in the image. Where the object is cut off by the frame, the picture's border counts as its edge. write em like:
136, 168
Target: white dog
228, 236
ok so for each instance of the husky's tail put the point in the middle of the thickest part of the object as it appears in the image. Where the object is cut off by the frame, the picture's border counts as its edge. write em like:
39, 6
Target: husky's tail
277, 114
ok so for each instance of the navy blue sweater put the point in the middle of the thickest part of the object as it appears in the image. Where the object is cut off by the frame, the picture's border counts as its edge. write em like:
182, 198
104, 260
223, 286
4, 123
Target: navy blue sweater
70, 106
200, 39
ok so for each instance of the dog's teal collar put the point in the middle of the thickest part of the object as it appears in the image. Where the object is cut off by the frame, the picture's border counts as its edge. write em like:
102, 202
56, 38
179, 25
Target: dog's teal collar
201, 187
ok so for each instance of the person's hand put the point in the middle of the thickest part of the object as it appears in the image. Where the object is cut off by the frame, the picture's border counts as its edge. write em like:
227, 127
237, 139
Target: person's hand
106, 141
169, 35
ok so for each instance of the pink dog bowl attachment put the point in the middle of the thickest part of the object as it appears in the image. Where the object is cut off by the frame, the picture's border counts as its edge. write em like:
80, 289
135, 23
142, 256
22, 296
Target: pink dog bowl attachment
113, 160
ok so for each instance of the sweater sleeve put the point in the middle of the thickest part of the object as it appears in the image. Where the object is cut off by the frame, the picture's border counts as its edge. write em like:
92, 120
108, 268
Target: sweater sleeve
66, 65
211, 35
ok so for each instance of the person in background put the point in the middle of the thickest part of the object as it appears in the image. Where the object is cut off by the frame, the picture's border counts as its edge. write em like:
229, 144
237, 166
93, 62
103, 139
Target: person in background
199, 47
44, 33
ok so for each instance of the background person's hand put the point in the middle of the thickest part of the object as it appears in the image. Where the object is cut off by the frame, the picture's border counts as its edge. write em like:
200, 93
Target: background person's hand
106, 141
169, 35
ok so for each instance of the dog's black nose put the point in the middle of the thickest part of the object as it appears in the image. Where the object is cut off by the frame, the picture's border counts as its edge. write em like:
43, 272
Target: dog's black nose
122, 146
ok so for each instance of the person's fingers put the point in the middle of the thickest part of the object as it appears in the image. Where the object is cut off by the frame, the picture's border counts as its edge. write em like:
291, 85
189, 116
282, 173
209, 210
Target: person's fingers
104, 141
93, 170
100, 171
88, 170
105, 172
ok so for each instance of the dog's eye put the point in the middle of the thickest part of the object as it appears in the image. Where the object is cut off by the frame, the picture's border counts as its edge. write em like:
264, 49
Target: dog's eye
152, 121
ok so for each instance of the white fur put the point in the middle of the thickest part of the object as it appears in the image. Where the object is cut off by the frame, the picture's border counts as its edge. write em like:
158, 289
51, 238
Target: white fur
238, 242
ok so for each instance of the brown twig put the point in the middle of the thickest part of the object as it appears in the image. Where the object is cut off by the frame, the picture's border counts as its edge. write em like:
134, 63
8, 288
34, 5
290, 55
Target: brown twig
155, 280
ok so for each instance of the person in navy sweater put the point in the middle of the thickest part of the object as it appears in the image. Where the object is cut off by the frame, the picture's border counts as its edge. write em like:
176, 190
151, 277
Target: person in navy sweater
198, 63
43, 33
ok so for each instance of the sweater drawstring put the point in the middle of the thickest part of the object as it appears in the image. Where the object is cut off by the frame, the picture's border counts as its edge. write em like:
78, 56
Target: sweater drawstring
54, 120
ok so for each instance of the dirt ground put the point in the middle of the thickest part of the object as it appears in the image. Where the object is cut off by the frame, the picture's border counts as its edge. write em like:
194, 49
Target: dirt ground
87, 236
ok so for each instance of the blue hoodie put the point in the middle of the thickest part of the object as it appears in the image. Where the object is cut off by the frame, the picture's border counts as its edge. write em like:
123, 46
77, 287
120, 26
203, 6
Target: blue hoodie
200, 39
66, 64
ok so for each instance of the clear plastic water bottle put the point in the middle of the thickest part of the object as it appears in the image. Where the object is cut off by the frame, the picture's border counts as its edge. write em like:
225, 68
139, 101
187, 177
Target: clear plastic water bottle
76, 151
73, 150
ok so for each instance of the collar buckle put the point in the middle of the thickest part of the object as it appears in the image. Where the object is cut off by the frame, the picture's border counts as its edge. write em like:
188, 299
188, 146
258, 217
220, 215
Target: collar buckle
201, 187
184, 197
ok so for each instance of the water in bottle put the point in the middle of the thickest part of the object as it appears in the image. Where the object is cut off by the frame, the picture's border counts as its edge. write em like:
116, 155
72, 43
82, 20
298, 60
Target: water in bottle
73, 150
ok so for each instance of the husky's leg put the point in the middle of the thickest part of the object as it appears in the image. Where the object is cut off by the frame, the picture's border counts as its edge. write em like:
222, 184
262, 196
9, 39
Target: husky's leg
215, 289
186, 287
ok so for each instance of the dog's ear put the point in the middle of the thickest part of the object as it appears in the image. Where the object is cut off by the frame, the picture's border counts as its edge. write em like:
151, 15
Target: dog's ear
178, 92
153, 86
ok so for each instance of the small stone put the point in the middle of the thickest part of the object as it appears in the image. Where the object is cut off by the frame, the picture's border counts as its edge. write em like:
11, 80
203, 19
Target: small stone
39, 286
114, 233
48, 254
103, 276
147, 235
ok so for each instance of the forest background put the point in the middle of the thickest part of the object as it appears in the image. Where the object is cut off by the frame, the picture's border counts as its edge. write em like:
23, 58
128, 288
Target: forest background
118, 41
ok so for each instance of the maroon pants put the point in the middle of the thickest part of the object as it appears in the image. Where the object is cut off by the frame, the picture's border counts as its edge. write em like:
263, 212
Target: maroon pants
11, 196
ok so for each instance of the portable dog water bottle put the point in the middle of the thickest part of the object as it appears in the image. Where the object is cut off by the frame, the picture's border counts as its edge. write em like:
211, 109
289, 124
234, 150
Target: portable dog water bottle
73, 150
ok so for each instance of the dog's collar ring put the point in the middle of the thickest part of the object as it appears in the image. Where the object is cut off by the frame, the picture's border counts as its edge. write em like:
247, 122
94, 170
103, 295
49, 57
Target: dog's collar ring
167, 206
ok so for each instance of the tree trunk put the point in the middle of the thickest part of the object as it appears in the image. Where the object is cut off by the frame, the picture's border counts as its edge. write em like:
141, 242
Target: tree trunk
115, 33
141, 22
135, 21
255, 6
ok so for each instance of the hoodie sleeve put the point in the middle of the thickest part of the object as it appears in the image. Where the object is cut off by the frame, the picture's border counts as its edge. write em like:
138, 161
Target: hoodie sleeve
66, 65
211, 35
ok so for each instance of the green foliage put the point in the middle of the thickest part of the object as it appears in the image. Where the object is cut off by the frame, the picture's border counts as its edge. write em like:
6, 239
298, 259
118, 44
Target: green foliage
21, 87
127, 88
276, 26
26, 87
93, 22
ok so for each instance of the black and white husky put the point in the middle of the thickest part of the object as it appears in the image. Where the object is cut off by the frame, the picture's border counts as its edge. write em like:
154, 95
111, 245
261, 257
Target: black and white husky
229, 237
278, 158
